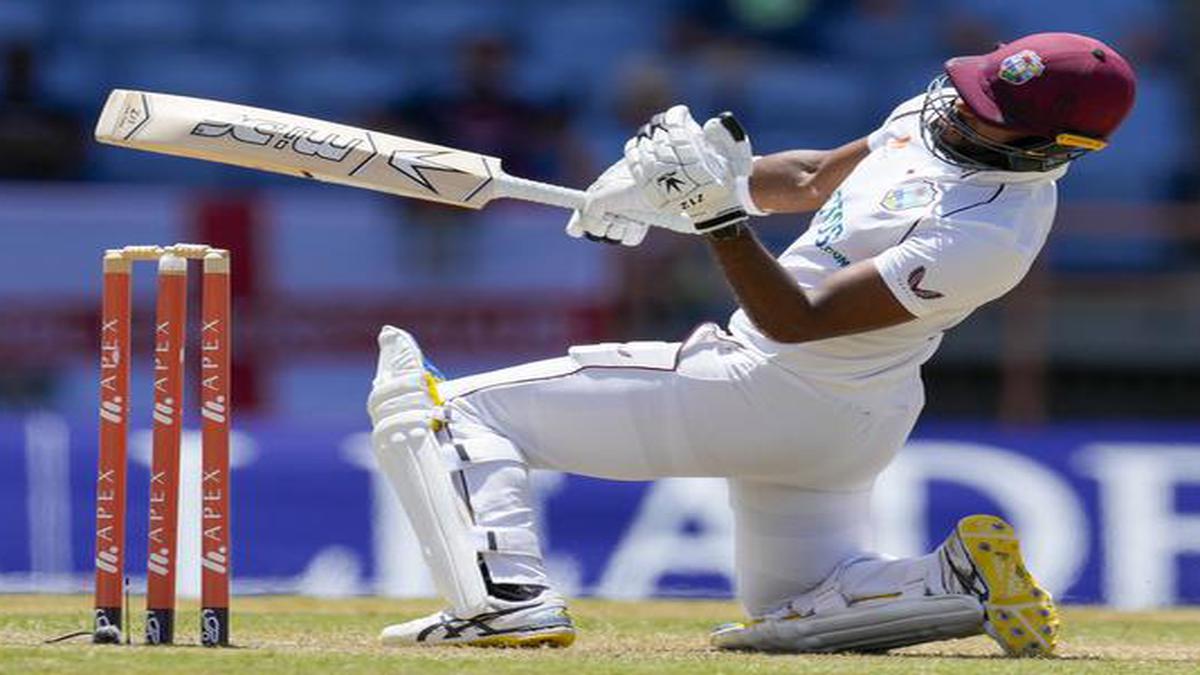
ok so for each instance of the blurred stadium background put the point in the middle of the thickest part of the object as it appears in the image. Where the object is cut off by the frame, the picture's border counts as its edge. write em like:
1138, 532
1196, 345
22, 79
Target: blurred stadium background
1085, 382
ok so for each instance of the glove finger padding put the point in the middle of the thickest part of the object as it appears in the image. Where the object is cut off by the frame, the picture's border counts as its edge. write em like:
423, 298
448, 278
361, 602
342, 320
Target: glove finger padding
631, 232
614, 229
675, 174
683, 167
635, 233
610, 228
593, 229
610, 190
613, 194
575, 226
729, 139
660, 125
663, 168
680, 117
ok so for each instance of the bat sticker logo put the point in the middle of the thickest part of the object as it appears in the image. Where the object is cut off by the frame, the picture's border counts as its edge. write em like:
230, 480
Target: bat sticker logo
414, 163
303, 141
133, 116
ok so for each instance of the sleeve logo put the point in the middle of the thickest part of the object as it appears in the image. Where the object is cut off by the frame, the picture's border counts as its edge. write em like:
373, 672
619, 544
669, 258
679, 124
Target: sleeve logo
914, 282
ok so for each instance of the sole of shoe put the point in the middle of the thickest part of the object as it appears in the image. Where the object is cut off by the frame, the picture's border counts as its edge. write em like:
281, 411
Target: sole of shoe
1020, 614
555, 638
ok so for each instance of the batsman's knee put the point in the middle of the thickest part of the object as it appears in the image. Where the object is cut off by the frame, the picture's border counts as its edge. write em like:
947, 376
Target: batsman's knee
401, 385
436, 474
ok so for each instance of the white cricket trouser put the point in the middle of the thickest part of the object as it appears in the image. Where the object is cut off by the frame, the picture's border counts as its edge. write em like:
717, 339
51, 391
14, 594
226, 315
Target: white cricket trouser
800, 457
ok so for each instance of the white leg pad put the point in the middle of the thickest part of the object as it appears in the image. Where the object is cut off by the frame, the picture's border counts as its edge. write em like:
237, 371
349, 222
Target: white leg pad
866, 627
410, 455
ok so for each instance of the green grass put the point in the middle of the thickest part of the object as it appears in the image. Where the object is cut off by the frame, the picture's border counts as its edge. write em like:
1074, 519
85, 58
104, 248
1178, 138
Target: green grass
288, 635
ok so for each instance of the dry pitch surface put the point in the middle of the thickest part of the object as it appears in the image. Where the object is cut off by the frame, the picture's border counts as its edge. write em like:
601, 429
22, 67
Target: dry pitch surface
290, 635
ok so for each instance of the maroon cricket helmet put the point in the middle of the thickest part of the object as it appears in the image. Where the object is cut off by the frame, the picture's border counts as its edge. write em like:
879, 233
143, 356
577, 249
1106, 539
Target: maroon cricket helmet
1060, 86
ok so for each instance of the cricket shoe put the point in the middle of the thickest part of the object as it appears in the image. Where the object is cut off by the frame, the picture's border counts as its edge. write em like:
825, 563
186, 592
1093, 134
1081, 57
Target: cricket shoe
982, 557
544, 623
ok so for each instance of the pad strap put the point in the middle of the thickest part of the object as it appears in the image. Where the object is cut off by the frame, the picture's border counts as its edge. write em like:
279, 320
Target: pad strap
460, 454
511, 540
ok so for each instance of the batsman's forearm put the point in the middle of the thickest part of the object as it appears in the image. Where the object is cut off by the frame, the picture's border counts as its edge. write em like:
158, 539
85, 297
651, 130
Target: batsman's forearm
798, 181
854, 299
764, 289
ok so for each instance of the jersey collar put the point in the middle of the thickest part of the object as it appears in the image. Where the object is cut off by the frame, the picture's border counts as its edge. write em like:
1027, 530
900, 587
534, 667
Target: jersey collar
998, 177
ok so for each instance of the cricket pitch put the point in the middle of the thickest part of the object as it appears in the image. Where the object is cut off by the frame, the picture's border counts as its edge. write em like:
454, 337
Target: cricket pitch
290, 634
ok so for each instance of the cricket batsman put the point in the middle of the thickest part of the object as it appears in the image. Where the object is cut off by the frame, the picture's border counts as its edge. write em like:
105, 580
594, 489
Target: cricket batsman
802, 399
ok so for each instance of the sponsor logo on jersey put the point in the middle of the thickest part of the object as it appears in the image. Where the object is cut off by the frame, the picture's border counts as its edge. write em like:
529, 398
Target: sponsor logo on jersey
830, 219
1022, 67
909, 196
914, 282
830, 223
838, 257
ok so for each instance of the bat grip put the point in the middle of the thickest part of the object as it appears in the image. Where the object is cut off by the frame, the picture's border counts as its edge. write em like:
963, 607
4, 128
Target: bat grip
556, 195
542, 193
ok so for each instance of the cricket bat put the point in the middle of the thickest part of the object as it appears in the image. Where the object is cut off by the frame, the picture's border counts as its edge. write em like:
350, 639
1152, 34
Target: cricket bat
309, 148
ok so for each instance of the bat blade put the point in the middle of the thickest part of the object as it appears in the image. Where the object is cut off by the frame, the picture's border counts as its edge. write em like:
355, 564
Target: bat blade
279, 142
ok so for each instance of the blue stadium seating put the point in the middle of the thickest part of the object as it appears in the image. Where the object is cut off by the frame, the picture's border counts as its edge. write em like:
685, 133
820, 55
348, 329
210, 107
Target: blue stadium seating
344, 59
815, 104
1146, 152
333, 84
24, 20
587, 38
224, 74
873, 38
1105, 19
126, 23
423, 40
267, 25
75, 77
433, 30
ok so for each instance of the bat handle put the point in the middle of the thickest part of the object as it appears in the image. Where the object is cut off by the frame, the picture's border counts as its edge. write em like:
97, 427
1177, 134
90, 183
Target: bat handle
542, 193
556, 195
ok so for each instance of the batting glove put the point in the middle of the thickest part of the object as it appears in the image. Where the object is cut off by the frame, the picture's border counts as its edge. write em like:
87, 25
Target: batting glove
674, 175
681, 167
615, 212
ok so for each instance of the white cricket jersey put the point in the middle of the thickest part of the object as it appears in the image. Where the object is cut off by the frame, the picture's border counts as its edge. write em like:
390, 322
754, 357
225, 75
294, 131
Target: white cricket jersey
945, 240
